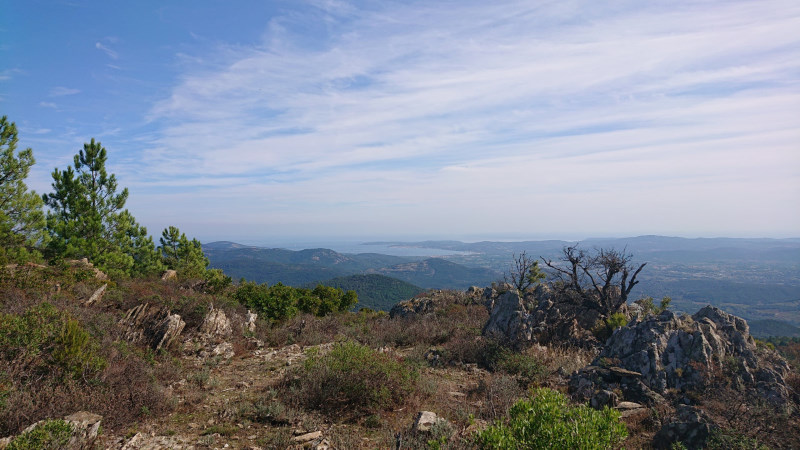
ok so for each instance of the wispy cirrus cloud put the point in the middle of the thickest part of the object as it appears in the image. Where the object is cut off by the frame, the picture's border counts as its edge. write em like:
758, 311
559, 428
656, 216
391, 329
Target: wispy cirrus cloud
60, 91
107, 50
420, 108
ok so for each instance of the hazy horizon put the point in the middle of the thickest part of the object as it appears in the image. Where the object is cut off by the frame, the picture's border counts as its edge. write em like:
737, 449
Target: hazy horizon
420, 120
316, 242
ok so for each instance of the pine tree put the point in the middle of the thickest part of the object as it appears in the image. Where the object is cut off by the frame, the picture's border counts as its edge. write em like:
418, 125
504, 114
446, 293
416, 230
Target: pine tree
181, 254
21, 217
87, 219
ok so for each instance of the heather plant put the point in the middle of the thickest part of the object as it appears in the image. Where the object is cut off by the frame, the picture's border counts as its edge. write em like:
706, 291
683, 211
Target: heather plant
351, 378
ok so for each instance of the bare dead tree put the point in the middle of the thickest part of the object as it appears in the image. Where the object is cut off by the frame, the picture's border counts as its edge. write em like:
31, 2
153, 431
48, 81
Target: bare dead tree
524, 272
603, 281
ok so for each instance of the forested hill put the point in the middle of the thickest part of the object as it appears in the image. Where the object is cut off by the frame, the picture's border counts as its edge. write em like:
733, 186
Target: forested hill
375, 291
303, 267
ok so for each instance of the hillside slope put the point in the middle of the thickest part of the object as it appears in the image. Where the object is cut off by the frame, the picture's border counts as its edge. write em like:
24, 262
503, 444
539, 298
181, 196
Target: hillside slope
375, 291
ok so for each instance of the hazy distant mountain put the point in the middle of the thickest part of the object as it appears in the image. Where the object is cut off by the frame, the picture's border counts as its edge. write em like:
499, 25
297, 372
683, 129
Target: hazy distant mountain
752, 278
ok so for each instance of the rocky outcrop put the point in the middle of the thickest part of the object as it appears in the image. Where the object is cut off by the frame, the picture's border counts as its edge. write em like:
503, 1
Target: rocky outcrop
216, 324
156, 327
537, 316
85, 264
430, 302
85, 427
668, 352
169, 274
510, 320
691, 428
250, 321
96, 296
411, 308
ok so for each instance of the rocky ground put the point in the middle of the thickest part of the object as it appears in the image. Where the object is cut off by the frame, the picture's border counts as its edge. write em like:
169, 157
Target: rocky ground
228, 381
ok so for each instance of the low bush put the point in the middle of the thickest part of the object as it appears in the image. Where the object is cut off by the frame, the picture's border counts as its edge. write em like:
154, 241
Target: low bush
52, 434
548, 420
352, 378
526, 367
604, 328
44, 339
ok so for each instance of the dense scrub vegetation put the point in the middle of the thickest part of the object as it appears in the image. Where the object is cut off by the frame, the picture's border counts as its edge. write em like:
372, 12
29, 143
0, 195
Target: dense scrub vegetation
548, 420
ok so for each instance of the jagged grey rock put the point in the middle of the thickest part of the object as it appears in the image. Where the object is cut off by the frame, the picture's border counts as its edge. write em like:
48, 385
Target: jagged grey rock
412, 307
250, 321
96, 296
691, 428
670, 352
537, 316
216, 324
157, 327
509, 321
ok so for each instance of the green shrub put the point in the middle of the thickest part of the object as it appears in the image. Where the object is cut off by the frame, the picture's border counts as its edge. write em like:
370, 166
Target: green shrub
216, 280
45, 337
52, 434
29, 334
604, 328
75, 351
547, 420
276, 302
499, 358
279, 302
352, 378
649, 307
731, 440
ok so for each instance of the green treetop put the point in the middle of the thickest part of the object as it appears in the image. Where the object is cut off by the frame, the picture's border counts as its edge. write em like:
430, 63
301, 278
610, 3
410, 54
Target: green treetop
21, 216
87, 220
182, 255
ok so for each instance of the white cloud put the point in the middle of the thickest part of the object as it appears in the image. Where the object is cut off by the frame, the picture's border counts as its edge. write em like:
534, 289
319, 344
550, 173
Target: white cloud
60, 91
48, 105
107, 50
437, 109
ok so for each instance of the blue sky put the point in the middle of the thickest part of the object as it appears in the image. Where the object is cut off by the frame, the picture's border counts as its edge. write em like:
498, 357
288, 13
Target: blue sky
268, 121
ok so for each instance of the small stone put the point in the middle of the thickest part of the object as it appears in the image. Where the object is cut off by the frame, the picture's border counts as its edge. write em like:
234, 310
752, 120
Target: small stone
426, 420
307, 437
628, 405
